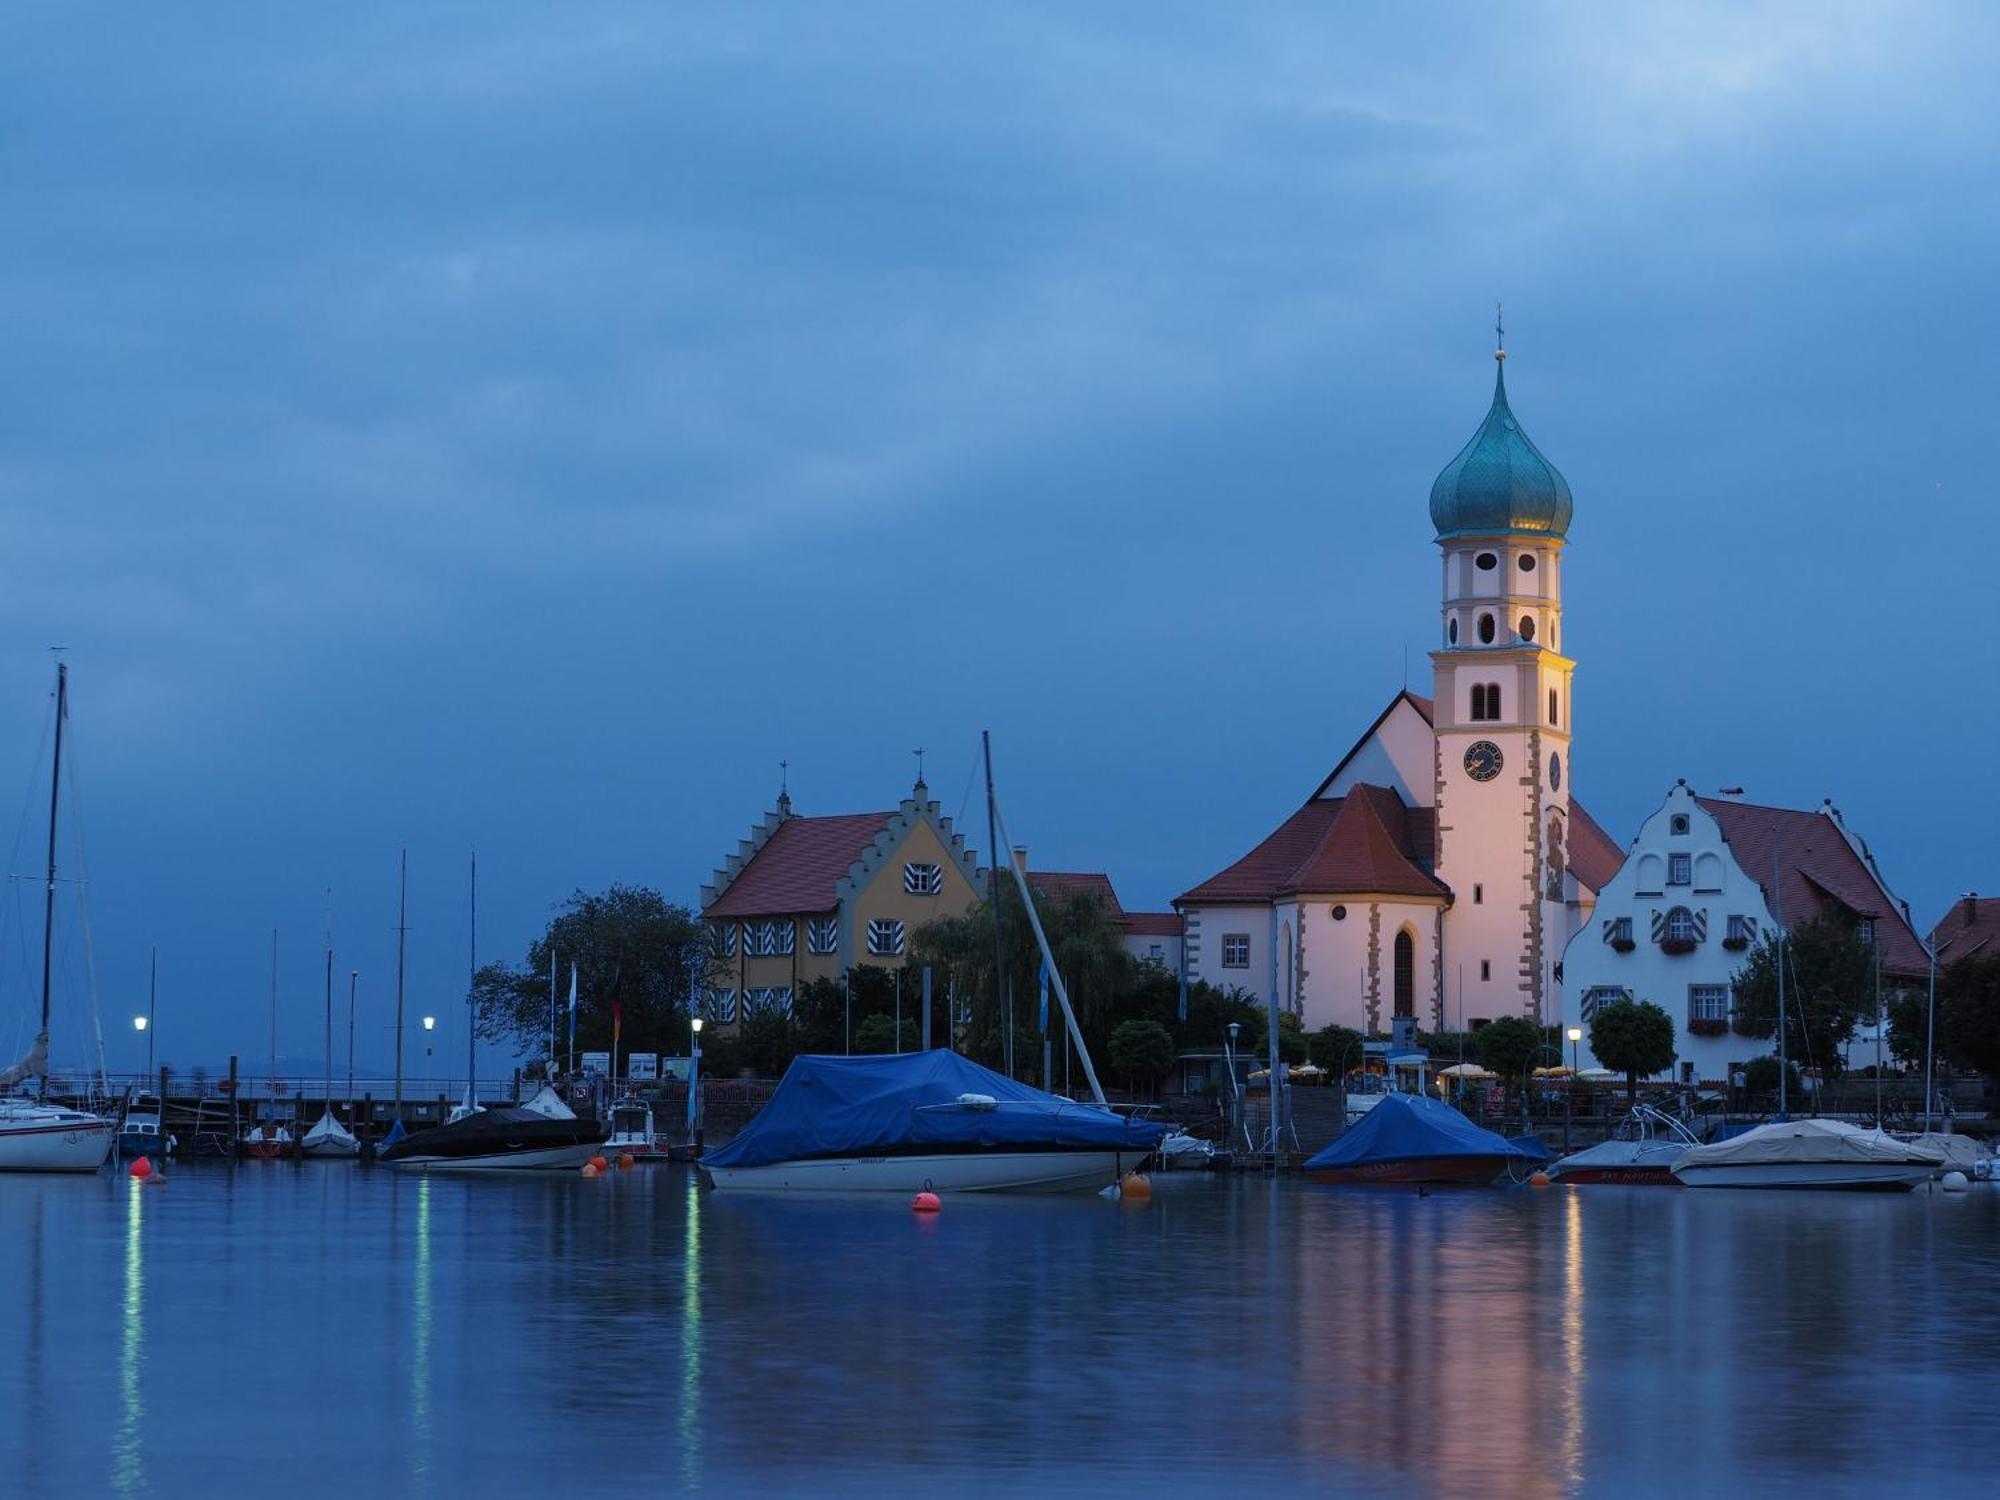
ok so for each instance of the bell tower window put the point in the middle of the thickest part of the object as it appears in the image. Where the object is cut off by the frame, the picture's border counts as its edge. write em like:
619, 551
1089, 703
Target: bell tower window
1527, 627
1555, 702
1486, 562
1451, 632
1527, 562
1486, 630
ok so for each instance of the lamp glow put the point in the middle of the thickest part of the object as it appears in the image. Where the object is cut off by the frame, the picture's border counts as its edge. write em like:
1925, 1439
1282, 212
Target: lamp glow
1576, 1033
138, 1023
430, 1023
696, 1024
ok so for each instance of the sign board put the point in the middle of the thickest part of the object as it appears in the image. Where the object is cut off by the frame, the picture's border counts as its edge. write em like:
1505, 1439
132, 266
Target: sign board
642, 1067
675, 1068
597, 1062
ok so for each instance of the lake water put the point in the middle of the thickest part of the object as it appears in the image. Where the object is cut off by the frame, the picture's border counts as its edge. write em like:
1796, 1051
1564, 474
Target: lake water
333, 1330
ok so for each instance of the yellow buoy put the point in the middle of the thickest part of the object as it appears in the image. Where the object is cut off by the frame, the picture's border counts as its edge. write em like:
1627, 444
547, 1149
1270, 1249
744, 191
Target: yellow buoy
1540, 1179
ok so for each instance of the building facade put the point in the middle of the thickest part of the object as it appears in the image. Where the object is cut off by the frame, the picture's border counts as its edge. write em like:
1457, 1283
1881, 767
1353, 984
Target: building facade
1440, 869
1704, 883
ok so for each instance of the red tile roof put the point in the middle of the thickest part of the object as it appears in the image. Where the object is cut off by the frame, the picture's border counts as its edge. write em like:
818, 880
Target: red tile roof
1060, 885
1971, 926
1816, 868
798, 867
1594, 855
1365, 842
1155, 923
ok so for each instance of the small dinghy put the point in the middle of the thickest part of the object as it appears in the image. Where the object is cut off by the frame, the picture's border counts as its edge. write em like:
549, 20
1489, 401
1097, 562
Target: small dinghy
1407, 1139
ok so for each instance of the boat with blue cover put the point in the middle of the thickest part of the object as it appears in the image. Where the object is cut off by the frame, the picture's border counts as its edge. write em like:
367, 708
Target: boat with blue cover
904, 1122
1408, 1139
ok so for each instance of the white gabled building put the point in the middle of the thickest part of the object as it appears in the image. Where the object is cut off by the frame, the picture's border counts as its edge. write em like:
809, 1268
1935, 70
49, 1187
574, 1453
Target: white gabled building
1693, 897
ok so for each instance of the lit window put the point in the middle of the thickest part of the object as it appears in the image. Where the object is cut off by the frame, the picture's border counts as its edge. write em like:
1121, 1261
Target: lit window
1236, 950
822, 935
885, 937
923, 880
1680, 869
1708, 1002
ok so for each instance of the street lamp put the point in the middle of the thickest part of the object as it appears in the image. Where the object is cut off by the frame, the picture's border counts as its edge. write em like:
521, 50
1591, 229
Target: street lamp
1235, 1087
694, 1085
430, 1025
1575, 1035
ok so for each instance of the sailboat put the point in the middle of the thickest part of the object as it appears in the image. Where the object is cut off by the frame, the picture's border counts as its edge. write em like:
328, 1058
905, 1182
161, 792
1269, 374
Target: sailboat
270, 1139
36, 1136
329, 1138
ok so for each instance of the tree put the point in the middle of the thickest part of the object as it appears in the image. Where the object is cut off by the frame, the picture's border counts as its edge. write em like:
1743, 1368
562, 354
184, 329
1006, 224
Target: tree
1335, 1048
877, 1033
1829, 990
1511, 1046
1142, 1052
631, 948
1760, 1076
1968, 1021
1633, 1037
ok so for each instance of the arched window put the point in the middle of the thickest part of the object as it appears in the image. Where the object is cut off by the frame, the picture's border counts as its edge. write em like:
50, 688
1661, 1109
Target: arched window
1680, 925
1527, 627
1553, 704
1406, 974
1486, 630
1485, 701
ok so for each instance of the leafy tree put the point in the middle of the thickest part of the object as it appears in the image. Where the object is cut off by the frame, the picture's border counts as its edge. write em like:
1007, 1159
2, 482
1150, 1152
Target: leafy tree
1511, 1046
1760, 1076
1829, 990
1633, 1037
766, 1043
1142, 1052
1968, 1019
1336, 1048
1292, 1045
631, 948
877, 1033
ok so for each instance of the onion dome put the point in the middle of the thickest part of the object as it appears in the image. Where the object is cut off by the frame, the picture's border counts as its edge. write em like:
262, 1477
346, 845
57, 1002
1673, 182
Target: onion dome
1500, 482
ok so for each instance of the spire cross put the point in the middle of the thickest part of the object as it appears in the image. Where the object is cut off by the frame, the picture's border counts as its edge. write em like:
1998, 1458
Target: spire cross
919, 753
1500, 332
784, 777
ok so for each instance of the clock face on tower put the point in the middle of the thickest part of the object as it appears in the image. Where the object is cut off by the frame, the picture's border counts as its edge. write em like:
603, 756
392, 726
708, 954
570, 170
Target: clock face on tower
1483, 760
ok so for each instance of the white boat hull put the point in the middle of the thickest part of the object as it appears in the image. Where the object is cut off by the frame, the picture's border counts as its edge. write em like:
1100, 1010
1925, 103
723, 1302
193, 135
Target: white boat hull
55, 1140
330, 1147
1845, 1174
548, 1158
959, 1172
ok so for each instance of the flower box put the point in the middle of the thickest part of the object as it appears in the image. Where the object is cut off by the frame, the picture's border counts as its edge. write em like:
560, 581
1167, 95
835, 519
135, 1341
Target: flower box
1676, 945
1708, 1027
1736, 944
1623, 945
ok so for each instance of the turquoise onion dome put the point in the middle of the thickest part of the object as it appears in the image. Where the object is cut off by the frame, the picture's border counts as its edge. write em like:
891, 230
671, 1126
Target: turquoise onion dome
1500, 482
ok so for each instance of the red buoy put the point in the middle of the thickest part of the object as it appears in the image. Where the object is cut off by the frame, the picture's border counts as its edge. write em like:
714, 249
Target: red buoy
926, 1202
141, 1168
600, 1163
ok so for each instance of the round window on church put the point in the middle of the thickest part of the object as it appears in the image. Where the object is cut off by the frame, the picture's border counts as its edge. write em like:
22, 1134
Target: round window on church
1527, 562
1486, 562
1340, 914
1527, 627
1486, 630
1451, 632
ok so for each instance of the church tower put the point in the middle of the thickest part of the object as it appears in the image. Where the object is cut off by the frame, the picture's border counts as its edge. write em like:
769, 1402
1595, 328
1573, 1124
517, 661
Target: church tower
1503, 719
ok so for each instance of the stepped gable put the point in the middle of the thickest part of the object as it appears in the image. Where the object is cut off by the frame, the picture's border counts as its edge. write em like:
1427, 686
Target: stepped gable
1594, 855
1818, 866
1363, 843
792, 864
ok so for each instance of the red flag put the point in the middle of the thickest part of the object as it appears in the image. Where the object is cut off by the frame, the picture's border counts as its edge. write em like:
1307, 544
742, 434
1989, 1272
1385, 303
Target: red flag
617, 1022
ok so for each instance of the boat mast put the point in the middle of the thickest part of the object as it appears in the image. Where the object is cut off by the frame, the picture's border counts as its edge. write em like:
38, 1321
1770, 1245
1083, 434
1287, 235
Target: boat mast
1002, 996
327, 1098
402, 911
1778, 911
353, 977
49, 906
274, 1020
472, 987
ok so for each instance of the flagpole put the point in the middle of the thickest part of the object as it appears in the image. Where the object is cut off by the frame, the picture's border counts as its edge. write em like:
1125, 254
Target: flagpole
571, 1069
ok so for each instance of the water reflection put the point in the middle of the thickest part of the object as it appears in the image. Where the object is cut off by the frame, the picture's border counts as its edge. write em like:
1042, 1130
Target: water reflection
690, 1423
128, 1473
420, 1337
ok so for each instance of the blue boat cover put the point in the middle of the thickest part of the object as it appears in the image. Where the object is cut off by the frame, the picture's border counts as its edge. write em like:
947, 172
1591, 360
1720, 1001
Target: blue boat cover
1407, 1127
859, 1106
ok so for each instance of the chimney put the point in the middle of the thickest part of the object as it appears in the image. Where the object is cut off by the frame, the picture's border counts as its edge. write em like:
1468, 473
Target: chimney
1021, 858
1971, 907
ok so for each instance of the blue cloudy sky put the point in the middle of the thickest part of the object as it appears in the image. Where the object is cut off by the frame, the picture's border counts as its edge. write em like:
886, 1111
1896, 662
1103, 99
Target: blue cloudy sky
523, 426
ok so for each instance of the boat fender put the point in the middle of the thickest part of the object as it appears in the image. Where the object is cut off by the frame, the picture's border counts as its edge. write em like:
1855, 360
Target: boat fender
600, 1163
1954, 1182
141, 1168
978, 1101
590, 1169
624, 1161
1136, 1186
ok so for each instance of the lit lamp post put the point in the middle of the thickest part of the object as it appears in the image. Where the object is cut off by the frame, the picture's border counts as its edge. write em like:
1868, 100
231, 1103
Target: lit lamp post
1235, 1088
139, 1024
694, 1085
430, 1025
1575, 1035
145, 1023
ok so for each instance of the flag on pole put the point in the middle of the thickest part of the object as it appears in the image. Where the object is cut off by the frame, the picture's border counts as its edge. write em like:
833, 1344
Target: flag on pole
572, 1018
1045, 996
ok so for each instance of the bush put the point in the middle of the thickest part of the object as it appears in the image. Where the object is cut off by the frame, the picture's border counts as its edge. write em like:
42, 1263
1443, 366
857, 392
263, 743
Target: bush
1142, 1053
1335, 1048
1760, 1076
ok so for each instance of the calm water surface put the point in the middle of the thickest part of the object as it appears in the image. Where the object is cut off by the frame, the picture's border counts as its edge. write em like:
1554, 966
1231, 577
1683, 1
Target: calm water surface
333, 1330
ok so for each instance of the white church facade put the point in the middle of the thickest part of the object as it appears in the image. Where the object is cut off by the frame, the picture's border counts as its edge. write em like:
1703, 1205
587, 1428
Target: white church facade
1441, 868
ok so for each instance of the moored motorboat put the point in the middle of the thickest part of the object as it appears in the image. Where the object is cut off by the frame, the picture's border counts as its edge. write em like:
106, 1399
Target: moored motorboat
904, 1122
506, 1138
632, 1132
1811, 1153
1643, 1153
1406, 1139
143, 1133
1181, 1152
266, 1142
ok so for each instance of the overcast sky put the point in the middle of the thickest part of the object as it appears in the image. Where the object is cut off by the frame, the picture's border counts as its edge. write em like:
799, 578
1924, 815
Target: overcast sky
522, 427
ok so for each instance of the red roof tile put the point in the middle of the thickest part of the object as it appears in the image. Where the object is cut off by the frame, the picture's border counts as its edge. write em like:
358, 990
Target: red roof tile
1155, 923
799, 866
1817, 868
1367, 841
1971, 926
1594, 855
1063, 884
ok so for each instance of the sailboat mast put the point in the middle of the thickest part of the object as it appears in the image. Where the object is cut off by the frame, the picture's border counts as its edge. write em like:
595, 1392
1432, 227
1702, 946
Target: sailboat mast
328, 1100
353, 978
1002, 996
472, 986
274, 1010
402, 913
49, 905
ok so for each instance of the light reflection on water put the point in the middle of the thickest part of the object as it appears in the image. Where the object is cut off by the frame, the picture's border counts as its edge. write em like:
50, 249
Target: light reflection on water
343, 1330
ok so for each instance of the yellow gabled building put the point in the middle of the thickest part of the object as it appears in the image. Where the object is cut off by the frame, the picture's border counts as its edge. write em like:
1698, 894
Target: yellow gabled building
811, 898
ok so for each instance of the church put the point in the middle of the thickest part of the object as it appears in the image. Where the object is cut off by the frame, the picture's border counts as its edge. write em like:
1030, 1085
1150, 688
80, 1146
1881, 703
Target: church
1441, 867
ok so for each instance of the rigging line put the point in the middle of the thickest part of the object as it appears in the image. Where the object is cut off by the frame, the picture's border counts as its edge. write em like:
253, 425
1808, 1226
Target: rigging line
972, 775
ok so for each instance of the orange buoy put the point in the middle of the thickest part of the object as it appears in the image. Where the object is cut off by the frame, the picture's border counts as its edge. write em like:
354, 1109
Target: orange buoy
600, 1163
926, 1202
1135, 1185
141, 1168
624, 1161
1540, 1179
590, 1169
